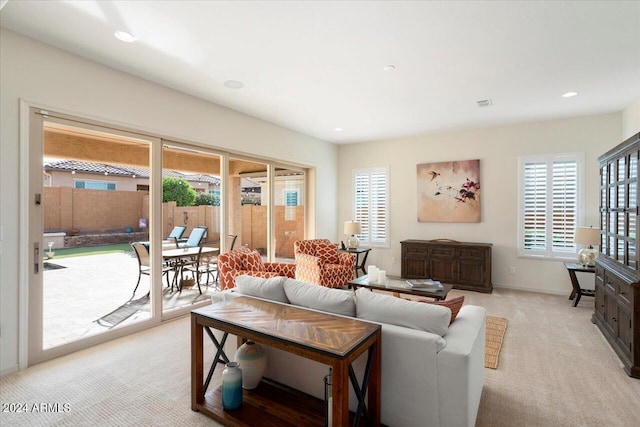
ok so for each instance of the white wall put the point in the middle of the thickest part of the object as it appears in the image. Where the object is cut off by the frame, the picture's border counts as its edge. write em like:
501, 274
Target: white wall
38, 73
631, 119
498, 150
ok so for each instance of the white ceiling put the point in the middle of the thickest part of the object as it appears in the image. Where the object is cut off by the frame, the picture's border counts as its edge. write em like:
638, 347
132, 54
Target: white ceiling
317, 66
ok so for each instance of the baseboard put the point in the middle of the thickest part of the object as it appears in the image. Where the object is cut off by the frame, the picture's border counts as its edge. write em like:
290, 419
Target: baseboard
9, 370
535, 290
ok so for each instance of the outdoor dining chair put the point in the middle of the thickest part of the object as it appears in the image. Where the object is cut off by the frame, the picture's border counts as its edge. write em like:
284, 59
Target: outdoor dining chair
144, 266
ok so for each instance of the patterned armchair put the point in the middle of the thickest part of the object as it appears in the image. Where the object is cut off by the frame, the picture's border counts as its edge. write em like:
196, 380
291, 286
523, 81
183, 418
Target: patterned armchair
318, 261
246, 261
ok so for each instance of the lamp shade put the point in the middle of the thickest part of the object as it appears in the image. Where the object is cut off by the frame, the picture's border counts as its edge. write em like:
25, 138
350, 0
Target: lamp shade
351, 227
587, 236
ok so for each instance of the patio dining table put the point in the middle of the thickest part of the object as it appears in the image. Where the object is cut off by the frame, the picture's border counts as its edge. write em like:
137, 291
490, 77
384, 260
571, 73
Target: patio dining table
178, 258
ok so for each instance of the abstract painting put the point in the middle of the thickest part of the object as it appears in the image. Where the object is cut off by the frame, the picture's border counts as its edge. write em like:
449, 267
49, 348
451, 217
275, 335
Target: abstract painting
449, 191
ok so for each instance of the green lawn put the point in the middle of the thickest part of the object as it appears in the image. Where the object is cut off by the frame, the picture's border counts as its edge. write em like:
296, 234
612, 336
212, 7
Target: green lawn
90, 250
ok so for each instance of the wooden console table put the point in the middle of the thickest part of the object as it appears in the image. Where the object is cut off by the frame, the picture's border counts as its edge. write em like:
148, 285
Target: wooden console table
332, 340
465, 265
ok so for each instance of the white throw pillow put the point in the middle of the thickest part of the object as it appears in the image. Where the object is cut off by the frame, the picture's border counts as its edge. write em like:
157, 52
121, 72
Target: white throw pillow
270, 289
310, 295
397, 311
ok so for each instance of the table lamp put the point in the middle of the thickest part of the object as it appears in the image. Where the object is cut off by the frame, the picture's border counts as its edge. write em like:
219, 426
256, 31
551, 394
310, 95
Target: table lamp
587, 236
352, 228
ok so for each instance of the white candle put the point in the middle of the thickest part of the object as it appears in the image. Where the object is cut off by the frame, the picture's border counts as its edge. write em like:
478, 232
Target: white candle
382, 277
373, 274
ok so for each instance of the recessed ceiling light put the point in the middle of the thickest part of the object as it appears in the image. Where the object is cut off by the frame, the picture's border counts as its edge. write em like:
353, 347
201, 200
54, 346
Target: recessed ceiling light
234, 84
569, 94
389, 67
124, 36
338, 129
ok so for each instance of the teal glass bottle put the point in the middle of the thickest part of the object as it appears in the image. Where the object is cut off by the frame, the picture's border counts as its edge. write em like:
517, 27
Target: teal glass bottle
231, 387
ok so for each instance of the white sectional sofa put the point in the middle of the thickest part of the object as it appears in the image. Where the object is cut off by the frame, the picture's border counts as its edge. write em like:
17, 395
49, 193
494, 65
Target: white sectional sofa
432, 372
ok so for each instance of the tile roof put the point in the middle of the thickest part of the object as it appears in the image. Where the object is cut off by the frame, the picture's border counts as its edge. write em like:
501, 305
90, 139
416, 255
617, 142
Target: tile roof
102, 168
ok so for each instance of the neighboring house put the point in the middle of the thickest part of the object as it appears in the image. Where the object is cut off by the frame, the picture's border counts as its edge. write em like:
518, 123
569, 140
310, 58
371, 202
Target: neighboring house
100, 176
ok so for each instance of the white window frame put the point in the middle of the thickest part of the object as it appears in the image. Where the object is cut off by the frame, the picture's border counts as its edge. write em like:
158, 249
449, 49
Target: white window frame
365, 238
549, 252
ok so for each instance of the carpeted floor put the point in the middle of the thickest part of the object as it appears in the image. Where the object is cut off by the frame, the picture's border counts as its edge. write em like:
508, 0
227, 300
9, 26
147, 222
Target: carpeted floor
555, 369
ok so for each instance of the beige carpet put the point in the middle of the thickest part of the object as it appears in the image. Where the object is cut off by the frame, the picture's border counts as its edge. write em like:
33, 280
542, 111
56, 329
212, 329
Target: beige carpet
496, 327
558, 371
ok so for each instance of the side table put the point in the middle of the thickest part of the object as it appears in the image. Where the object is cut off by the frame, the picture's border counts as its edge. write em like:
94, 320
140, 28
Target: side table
577, 291
359, 265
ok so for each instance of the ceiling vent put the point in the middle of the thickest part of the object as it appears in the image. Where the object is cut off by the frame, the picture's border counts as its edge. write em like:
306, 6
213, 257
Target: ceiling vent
484, 103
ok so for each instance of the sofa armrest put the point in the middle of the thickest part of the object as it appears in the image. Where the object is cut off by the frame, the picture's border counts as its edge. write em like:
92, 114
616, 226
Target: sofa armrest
461, 367
282, 268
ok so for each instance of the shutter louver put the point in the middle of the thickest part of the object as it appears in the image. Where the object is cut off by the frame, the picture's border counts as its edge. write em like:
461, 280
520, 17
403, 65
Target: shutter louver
371, 206
535, 206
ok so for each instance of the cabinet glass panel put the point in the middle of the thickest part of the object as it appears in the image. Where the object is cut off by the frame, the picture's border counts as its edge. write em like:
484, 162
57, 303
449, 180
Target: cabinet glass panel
612, 246
613, 222
633, 260
603, 177
621, 229
620, 251
603, 221
612, 172
612, 197
632, 224
633, 164
621, 169
603, 243
621, 197
633, 194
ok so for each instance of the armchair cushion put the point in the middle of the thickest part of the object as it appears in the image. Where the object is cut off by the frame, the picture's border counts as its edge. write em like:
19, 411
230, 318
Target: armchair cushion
327, 252
253, 262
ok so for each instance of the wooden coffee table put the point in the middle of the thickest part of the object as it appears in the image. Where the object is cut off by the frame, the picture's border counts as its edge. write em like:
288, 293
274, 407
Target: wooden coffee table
399, 286
332, 340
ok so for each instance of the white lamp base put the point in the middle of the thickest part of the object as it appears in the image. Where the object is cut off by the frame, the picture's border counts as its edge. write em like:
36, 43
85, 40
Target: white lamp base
587, 257
352, 242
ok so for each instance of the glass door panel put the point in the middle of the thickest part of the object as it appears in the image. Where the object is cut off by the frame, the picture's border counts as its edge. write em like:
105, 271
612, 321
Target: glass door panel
248, 203
96, 201
289, 211
191, 225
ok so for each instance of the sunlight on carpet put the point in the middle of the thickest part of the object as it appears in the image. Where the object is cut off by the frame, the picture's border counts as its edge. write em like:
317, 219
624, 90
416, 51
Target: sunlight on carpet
496, 327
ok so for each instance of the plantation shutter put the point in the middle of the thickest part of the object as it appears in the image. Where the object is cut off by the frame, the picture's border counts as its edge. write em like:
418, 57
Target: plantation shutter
565, 204
550, 204
371, 206
535, 206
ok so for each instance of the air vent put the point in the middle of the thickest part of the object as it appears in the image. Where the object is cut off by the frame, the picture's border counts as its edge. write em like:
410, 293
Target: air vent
484, 103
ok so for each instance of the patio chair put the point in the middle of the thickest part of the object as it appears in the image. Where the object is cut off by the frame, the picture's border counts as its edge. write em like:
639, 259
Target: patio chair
142, 253
177, 232
204, 265
195, 238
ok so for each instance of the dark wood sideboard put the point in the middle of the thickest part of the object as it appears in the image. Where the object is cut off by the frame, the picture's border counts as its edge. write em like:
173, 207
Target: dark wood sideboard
617, 286
465, 265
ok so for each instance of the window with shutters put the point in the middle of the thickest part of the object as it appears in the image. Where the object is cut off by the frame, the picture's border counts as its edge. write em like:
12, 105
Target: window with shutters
371, 197
551, 204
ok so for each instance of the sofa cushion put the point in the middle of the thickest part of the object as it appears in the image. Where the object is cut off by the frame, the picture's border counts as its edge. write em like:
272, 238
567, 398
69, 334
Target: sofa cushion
327, 252
397, 311
271, 289
310, 295
253, 262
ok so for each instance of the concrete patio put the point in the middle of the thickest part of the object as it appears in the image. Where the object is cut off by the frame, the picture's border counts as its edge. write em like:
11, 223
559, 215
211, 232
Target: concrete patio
89, 287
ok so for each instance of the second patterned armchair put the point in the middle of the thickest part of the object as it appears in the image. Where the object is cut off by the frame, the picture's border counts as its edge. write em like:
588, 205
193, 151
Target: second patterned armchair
318, 261
246, 261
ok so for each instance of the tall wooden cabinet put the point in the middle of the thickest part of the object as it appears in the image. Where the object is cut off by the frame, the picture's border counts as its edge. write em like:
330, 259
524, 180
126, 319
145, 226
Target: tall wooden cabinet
617, 304
465, 265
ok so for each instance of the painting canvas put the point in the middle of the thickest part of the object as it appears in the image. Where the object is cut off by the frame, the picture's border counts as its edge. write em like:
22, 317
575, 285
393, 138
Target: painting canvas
449, 191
